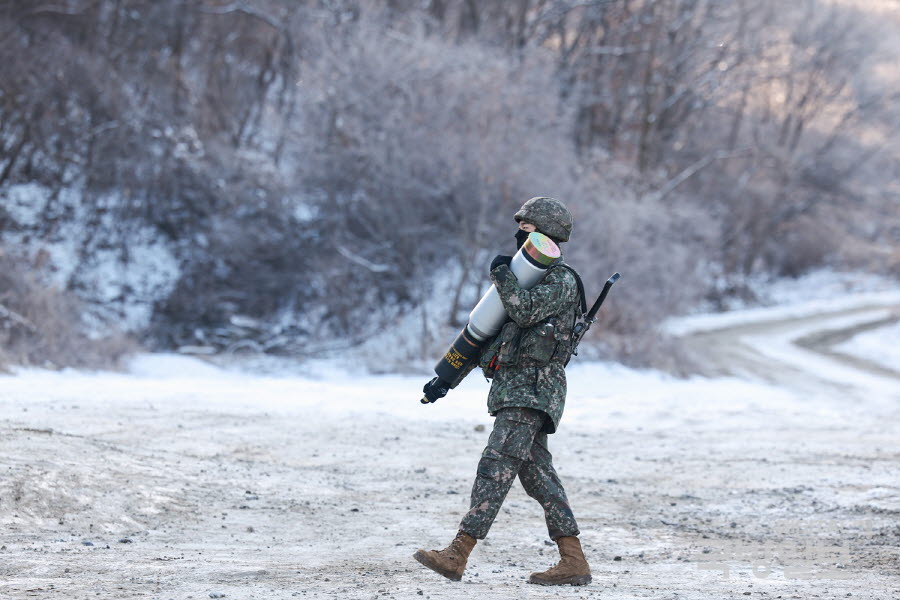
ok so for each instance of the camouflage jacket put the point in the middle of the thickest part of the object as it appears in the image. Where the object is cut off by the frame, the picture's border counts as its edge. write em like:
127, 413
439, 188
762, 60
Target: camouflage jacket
534, 345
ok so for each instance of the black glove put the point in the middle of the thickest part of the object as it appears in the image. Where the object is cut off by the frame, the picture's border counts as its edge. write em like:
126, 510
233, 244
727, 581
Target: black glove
434, 389
500, 259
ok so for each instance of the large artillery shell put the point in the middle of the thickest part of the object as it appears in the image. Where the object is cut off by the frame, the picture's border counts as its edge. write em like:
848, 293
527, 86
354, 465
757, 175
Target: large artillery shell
465, 349
529, 265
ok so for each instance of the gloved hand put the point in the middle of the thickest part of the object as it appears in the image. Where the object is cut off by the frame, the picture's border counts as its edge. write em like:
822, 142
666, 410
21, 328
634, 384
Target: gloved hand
500, 259
434, 389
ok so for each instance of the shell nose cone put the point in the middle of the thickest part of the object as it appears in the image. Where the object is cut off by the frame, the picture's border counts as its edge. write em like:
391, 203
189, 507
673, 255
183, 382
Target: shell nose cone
541, 248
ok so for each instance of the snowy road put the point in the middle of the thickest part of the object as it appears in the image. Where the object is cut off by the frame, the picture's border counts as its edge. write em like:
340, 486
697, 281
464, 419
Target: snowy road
780, 484
801, 352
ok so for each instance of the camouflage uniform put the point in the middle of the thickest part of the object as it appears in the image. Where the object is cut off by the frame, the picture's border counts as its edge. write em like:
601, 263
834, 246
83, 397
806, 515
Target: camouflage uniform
517, 447
533, 347
527, 397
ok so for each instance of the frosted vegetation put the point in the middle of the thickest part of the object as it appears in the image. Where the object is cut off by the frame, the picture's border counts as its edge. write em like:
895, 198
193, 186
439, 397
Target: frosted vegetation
298, 178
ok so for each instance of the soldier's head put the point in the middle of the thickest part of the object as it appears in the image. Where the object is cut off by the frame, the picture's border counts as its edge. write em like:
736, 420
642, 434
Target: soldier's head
548, 216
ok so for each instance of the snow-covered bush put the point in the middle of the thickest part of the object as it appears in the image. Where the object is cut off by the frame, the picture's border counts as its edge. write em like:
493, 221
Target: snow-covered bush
41, 325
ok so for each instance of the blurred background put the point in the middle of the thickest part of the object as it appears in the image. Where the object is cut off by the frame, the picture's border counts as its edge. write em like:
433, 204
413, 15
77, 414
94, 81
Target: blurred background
315, 178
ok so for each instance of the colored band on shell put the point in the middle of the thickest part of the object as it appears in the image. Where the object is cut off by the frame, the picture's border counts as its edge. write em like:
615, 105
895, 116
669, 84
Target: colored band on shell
540, 249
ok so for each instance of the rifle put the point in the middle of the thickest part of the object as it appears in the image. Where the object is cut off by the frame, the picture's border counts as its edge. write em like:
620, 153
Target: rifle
588, 319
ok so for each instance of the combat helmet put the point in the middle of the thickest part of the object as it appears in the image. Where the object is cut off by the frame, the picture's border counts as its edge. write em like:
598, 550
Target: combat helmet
549, 216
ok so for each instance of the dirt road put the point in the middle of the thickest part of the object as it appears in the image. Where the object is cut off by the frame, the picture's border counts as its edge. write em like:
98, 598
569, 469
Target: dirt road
757, 350
130, 487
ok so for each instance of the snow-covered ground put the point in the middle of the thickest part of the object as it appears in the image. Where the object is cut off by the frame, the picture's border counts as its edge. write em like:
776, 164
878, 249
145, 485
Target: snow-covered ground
819, 292
881, 346
179, 479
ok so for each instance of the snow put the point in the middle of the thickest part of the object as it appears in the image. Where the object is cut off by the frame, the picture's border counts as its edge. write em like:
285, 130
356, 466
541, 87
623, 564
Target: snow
418, 337
64, 246
818, 292
598, 391
322, 480
172, 366
823, 284
125, 288
782, 347
880, 346
602, 395
24, 203
120, 284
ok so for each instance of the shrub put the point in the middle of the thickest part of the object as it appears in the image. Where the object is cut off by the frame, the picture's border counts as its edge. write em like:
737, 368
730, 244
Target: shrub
40, 325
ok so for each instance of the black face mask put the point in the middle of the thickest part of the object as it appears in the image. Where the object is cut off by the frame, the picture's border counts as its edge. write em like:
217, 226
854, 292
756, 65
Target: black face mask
521, 236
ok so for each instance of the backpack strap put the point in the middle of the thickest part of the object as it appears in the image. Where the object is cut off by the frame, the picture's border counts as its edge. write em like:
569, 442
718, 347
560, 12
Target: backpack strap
581, 299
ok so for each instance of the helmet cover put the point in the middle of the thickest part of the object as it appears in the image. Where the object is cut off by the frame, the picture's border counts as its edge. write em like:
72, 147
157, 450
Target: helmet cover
549, 216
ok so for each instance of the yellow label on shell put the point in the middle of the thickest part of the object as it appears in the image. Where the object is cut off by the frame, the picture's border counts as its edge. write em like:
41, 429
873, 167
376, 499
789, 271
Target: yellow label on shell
454, 358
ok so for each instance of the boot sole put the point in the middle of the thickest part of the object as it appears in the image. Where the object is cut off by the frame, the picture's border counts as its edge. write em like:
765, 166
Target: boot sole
574, 580
423, 558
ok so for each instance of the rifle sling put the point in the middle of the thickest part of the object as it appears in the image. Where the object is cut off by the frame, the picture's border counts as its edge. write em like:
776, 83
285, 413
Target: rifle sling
581, 298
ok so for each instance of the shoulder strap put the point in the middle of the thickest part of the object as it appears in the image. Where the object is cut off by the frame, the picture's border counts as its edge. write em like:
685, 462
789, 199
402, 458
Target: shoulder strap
581, 299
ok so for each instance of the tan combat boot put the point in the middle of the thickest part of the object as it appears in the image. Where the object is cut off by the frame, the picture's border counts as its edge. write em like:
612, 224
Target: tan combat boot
572, 568
451, 561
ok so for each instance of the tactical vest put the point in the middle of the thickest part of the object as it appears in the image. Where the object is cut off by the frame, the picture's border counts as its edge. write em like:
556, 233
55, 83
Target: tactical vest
550, 341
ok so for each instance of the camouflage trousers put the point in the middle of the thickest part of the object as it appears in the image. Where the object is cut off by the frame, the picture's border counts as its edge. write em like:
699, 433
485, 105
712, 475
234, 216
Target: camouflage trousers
516, 447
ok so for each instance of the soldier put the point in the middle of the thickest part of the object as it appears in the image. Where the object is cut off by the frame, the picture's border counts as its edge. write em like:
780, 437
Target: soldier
526, 361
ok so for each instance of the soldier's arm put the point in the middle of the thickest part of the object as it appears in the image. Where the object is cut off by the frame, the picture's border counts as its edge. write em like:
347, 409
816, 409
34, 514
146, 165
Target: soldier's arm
529, 307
